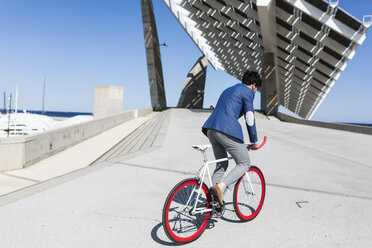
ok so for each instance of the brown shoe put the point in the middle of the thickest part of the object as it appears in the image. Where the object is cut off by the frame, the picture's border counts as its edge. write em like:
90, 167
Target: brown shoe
216, 193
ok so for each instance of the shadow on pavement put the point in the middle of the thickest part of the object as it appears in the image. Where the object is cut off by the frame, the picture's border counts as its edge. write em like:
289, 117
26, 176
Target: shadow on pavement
155, 237
229, 214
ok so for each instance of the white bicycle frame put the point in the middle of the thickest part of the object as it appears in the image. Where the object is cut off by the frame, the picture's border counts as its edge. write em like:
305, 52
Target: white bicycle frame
204, 170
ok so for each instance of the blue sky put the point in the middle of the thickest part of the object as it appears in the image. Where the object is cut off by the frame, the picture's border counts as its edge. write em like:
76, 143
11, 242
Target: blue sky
81, 43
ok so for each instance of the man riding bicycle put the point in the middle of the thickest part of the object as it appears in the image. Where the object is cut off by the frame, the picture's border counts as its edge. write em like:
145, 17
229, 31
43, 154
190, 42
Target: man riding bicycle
225, 133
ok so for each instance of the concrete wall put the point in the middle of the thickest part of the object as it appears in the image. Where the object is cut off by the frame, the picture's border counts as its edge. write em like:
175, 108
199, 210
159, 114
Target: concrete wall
12, 153
108, 100
20, 152
343, 127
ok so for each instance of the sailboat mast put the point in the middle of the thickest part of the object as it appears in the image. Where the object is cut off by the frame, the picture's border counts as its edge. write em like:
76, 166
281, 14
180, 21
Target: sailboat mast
16, 101
43, 109
10, 109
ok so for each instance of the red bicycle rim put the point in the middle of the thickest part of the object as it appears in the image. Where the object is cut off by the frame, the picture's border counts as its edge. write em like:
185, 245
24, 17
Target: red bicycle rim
202, 227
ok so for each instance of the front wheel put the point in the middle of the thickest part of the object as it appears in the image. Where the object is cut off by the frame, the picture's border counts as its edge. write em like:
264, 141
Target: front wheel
249, 196
182, 222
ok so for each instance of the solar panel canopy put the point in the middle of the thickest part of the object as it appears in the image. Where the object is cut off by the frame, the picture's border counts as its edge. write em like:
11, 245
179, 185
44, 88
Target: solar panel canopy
312, 40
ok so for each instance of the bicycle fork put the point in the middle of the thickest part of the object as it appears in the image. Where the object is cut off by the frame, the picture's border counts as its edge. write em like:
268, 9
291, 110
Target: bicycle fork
250, 183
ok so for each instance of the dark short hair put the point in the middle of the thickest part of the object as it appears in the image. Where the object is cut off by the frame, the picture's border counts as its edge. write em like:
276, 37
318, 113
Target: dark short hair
252, 77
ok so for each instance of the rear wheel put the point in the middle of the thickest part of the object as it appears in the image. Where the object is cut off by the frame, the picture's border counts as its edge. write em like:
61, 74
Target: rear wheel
180, 223
249, 198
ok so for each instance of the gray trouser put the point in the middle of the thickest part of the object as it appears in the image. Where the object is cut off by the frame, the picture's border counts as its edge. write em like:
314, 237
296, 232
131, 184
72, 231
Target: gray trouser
221, 143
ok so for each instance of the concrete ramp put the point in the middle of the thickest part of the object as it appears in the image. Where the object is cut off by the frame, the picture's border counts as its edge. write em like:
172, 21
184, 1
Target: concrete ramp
141, 140
319, 193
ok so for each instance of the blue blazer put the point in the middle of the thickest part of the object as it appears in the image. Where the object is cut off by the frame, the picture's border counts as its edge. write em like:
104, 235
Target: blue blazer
234, 102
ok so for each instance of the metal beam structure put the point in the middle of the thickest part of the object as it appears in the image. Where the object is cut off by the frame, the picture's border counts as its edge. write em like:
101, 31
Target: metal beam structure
269, 92
192, 96
154, 66
311, 40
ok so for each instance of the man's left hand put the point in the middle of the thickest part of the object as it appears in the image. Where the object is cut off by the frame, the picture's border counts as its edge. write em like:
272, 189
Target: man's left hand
252, 147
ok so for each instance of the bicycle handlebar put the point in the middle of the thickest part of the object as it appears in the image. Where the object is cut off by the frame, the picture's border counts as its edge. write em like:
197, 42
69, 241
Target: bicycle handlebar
202, 148
261, 145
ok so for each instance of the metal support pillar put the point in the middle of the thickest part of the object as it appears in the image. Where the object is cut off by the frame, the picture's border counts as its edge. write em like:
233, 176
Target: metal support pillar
269, 93
154, 67
269, 88
192, 95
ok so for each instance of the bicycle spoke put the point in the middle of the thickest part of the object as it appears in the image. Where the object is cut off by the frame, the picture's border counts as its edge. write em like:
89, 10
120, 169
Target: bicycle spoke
183, 219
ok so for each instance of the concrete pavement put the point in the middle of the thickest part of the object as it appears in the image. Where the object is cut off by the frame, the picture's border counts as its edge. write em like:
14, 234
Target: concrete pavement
118, 203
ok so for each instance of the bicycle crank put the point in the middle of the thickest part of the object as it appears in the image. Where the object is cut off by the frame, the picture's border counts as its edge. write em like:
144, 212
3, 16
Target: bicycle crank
218, 209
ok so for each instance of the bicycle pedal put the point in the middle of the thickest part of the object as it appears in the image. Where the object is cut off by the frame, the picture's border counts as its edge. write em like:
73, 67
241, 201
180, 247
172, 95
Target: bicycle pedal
219, 209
